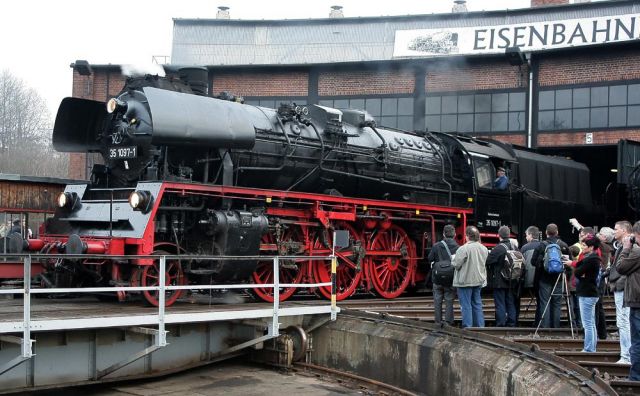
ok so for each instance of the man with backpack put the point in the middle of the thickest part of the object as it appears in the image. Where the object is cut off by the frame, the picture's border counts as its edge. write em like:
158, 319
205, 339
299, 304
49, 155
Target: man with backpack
504, 269
440, 257
547, 258
530, 281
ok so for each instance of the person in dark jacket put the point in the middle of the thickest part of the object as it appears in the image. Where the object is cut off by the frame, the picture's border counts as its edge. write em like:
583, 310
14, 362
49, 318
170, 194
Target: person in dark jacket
547, 281
503, 295
586, 271
16, 228
621, 230
439, 253
629, 266
531, 235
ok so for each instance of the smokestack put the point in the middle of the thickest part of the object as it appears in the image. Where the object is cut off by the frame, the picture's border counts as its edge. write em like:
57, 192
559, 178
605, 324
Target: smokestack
459, 6
336, 12
223, 13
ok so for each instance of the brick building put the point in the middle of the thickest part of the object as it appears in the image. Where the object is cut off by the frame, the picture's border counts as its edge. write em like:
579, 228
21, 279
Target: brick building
464, 71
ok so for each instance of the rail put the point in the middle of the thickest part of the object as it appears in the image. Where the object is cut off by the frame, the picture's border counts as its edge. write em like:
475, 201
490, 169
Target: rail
159, 320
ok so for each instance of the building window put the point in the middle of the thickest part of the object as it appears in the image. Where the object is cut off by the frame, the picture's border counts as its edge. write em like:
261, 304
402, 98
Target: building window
274, 103
599, 107
388, 112
476, 112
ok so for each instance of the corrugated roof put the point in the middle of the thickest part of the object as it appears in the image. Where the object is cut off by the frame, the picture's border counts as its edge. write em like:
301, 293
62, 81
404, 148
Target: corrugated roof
215, 42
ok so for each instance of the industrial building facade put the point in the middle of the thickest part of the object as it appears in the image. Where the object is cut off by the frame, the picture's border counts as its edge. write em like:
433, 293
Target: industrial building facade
583, 61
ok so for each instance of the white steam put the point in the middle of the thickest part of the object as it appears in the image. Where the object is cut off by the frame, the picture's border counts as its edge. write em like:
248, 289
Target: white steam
142, 70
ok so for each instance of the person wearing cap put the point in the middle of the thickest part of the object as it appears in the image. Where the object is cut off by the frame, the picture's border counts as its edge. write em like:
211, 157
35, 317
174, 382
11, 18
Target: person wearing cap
501, 181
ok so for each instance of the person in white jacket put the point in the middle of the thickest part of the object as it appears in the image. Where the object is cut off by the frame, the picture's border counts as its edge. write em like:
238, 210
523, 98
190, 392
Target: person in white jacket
470, 276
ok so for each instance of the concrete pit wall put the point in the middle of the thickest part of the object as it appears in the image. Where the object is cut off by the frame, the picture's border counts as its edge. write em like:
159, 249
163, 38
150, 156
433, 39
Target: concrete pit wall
432, 361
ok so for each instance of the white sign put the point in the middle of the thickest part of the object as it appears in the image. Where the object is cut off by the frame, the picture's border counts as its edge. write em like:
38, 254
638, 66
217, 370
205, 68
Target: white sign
526, 36
588, 138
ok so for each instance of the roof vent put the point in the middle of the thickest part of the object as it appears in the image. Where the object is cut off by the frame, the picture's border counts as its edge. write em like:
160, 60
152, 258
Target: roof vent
459, 6
223, 13
336, 12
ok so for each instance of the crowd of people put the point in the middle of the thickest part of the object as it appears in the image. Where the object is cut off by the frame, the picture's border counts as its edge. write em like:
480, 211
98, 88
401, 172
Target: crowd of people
602, 262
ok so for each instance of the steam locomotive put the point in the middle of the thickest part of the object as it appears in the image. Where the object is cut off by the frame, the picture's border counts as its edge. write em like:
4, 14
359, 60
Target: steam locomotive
186, 173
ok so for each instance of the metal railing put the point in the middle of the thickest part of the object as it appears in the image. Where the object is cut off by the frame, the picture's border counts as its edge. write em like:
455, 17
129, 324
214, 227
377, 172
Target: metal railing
160, 334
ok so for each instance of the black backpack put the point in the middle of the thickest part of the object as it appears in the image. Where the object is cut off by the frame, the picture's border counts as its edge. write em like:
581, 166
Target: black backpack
442, 271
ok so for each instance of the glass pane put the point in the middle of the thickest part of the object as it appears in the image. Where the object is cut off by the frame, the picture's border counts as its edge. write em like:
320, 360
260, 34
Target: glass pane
499, 102
483, 103
357, 104
405, 123
268, 103
617, 95
563, 119
433, 105
405, 106
390, 122
517, 121
581, 97
499, 122
252, 102
517, 101
300, 101
449, 104
581, 118
465, 104
618, 116
341, 103
433, 123
449, 123
482, 122
465, 122
599, 96
634, 94
545, 120
634, 115
389, 107
563, 99
598, 116
546, 100
373, 107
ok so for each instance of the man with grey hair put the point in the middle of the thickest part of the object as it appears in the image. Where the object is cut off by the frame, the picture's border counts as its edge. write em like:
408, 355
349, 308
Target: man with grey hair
503, 294
469, 277
621, 230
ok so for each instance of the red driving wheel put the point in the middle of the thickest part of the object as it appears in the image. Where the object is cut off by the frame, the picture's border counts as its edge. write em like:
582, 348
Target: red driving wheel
348, 273
290, 271
392, 261
150, 276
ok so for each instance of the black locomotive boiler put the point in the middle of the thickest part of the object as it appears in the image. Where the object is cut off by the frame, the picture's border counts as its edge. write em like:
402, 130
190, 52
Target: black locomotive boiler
186, 173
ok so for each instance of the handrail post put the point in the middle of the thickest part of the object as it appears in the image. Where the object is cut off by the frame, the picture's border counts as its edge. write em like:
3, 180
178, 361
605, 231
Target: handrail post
27, 351
334, 307
275, 326
161, 339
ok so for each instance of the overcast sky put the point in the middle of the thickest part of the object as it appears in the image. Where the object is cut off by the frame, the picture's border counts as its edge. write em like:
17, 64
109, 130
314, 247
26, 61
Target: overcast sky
40, 38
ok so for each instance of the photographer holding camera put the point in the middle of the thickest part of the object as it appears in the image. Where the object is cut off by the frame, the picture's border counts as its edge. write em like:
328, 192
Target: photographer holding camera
629, 266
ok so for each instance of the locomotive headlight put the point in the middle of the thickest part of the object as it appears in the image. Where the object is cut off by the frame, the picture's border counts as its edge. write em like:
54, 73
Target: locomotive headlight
68, 200
115, 104
62, 200
141, 201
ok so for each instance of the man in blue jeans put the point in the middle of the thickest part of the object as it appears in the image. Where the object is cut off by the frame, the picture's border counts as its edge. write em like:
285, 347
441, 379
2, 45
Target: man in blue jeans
470, 275
547, 281
503, 289
629, 265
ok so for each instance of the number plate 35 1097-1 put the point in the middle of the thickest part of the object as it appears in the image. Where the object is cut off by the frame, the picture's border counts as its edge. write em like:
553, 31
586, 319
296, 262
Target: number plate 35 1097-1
123, 152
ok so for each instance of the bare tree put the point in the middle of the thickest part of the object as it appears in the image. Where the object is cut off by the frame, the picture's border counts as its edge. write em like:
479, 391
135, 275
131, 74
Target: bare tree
25, 131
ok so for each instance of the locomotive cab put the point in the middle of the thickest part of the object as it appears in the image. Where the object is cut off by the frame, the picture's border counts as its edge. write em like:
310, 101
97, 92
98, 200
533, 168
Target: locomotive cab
492, 205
